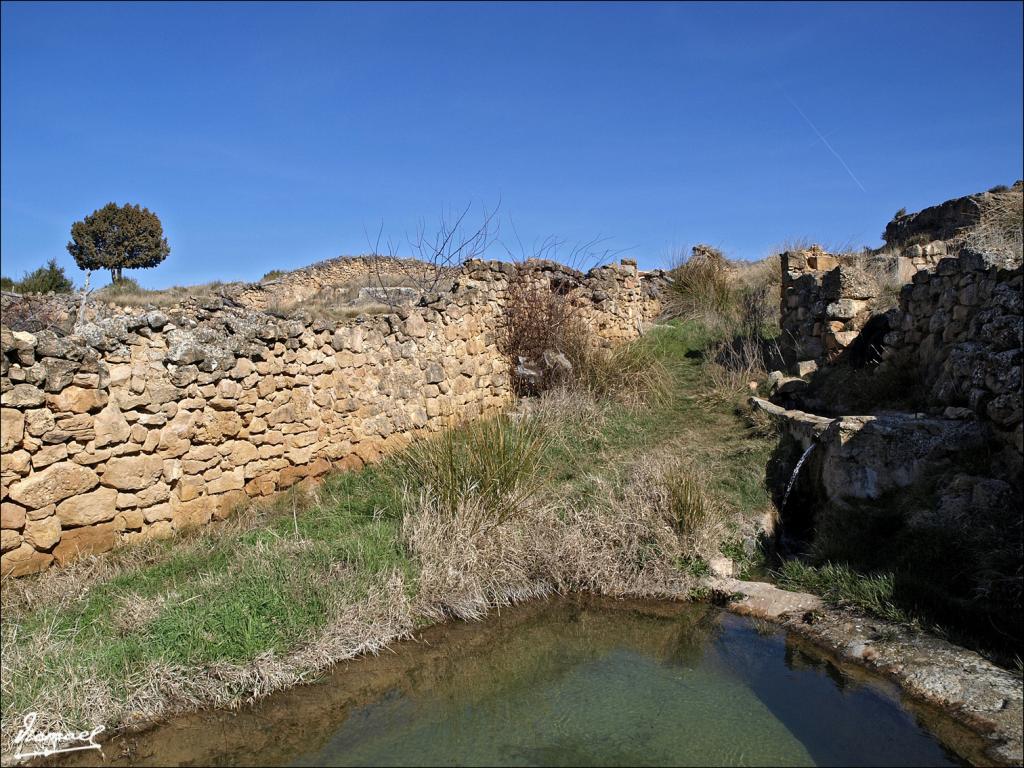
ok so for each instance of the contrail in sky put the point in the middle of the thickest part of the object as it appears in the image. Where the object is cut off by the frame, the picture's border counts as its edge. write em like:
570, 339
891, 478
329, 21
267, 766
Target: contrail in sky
823, 139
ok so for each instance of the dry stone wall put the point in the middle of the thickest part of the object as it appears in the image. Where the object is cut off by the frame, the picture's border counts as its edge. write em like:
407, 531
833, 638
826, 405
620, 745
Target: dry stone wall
151, 421
826, 300
301, 284
961, 328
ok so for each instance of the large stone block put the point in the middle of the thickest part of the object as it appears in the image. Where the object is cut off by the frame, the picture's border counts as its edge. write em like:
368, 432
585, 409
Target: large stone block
12, 428
78, 400
24, 560
23, 396
43, 534
95, 507
110, 426
132, 473
54, 484
90, 540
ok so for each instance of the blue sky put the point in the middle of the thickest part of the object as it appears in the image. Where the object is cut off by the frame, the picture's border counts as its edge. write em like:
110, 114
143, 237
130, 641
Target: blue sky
270, 136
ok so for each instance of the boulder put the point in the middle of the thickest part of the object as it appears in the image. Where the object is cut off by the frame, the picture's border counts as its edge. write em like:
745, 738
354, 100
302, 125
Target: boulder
110, 426
90, 540
24, 560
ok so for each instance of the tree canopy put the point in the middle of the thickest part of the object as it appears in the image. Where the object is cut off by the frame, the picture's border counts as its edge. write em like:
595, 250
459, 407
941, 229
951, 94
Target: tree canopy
117, 238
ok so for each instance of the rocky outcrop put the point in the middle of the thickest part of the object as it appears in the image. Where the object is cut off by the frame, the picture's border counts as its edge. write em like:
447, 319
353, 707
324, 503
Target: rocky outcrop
946, 220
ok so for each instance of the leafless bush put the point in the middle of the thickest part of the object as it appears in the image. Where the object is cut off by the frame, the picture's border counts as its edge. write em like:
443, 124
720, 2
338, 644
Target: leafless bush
435, 257
36, 313
538, 333
731, 365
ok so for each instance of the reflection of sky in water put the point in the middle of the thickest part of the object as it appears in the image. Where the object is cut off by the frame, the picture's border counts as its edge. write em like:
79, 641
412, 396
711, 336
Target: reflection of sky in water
660, 691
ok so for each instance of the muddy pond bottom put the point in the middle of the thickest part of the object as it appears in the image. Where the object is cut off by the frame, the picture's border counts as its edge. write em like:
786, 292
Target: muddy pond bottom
572, 683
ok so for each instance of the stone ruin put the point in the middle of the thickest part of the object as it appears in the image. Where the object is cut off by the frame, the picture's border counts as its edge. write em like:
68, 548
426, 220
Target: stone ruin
149, 421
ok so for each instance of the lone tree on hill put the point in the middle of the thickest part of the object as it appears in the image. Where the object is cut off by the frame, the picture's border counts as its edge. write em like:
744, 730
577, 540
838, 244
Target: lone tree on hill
118, 237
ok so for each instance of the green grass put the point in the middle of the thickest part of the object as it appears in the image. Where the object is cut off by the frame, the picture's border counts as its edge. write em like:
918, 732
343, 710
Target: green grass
270, 579
841, 586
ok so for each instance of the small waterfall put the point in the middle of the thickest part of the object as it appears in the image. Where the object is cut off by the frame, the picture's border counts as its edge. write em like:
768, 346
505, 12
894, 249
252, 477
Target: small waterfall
792, 479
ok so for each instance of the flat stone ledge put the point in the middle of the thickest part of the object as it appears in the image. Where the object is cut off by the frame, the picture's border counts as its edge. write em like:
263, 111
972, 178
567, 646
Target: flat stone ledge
987, 699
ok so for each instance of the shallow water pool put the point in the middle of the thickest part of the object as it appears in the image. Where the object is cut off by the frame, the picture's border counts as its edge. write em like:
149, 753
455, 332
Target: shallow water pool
572, 683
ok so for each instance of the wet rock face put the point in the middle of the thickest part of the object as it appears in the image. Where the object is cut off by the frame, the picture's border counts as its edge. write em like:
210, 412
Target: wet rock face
149, 421
863, 458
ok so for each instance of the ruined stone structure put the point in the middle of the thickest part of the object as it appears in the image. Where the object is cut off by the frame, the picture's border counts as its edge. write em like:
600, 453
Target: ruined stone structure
150, 421
961, 328
294, 287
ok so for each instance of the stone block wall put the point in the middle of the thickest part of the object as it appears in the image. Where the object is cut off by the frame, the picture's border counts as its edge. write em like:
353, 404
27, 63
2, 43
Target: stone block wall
961, 327
824, 304
147, 422
300, 284
826, 300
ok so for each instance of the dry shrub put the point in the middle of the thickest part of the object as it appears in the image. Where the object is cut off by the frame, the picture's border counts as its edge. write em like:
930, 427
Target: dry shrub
34, 314
127, 293
758, 289
730, 366
700, 288
620, 545
537, 325
999, 230
630, 374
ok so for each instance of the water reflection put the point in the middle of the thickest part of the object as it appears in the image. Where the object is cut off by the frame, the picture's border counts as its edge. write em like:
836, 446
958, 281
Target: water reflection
568, 683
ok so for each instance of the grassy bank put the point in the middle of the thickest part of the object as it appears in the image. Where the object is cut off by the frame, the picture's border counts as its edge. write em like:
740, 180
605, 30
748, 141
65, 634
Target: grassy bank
585, 489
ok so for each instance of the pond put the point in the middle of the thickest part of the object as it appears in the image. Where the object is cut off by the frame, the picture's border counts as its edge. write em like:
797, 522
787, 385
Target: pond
573, 682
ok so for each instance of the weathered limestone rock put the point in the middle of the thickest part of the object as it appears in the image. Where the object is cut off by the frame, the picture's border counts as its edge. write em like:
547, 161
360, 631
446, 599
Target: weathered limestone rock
49, 454
23, 396
43, 534
24, 560
12, 516
88, 508
110, 426
92, 539
12, 428
54, 484
78, 400
132, 473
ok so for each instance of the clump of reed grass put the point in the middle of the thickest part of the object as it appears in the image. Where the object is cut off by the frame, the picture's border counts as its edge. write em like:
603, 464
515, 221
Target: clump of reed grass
841, 586
497, 462
700, 289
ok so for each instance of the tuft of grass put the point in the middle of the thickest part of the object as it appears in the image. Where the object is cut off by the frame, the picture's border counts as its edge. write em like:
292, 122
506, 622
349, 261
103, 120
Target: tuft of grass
692, 513
700, 289
496, 461
127, 292
632, 374
841, 586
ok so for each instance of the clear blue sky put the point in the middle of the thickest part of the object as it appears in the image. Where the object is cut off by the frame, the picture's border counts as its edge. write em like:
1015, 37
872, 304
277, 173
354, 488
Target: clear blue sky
270, 136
